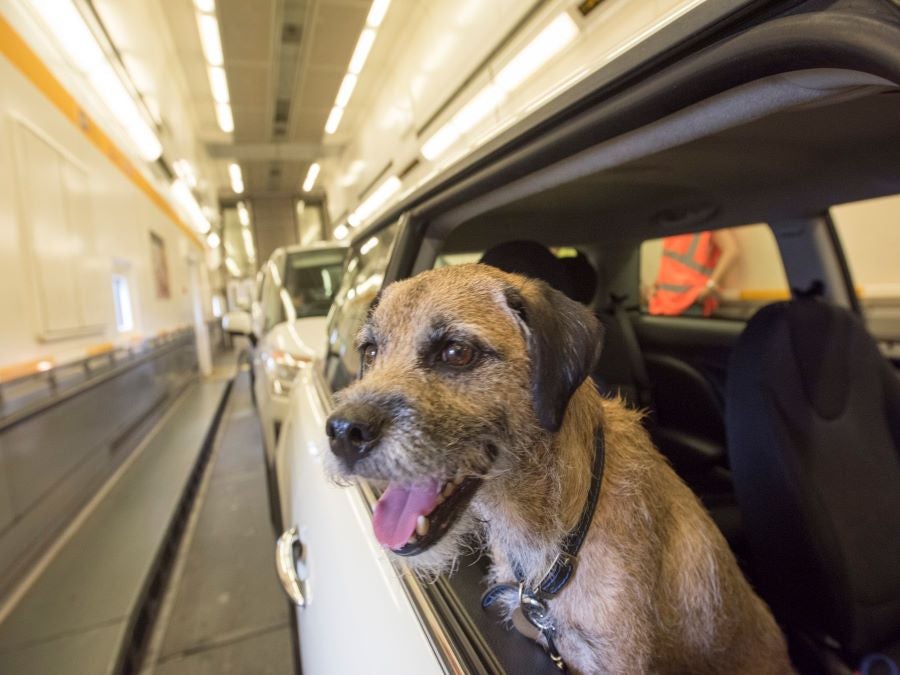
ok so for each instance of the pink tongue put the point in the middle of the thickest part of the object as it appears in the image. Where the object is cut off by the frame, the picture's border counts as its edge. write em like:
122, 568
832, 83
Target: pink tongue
399, 507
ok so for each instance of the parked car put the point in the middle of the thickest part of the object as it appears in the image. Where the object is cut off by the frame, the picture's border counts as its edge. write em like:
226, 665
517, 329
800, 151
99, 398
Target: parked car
287, 325
776, 120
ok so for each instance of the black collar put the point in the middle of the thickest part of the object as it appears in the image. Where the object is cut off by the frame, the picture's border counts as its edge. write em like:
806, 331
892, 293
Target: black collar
533, 601
566, 561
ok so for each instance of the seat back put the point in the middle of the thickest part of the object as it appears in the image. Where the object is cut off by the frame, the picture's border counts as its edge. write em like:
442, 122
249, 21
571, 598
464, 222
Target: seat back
813, 428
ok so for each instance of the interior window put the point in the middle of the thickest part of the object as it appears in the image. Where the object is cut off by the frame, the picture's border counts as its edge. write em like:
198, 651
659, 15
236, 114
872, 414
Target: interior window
362, 279
870, 235
727, 273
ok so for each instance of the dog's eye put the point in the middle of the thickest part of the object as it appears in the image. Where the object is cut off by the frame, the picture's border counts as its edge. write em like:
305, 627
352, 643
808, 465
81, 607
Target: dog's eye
369, 352
457, 354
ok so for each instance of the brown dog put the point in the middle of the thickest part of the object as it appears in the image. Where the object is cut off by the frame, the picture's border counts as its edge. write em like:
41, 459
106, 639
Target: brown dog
476, 412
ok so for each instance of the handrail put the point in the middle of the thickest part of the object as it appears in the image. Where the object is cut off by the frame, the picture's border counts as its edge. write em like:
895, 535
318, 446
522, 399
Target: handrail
116, 362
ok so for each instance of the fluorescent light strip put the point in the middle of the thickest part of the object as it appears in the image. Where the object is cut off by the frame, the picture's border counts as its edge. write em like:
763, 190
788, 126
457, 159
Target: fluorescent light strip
334, 120
237, 178
185, 198
213, 240
376, 13
341, 231
346, 91
87, 55
208, 6
224, 117
243, 214
210, 40
218, 82
377, 199
248, 243
311, 176
361, 53
232, 267
547, 44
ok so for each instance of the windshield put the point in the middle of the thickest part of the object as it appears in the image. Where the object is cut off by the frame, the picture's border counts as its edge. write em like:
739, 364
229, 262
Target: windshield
311, 279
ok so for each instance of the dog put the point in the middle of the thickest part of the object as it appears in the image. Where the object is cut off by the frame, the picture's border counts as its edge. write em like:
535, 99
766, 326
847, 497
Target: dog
476, 413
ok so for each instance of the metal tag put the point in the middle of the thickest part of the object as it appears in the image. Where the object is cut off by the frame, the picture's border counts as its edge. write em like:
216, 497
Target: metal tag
524, 626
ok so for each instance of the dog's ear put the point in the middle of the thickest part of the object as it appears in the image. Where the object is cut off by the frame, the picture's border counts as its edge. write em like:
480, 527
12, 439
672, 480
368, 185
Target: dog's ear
564, 342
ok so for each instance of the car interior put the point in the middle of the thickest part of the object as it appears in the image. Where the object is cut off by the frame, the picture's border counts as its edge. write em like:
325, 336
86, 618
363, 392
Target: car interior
781, 151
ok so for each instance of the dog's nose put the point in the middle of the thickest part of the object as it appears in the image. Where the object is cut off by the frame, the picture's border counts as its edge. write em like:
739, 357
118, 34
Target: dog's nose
353, 431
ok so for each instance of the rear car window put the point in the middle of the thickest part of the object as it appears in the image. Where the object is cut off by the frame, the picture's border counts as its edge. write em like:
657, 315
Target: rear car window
311, 278
726, 273
869, 232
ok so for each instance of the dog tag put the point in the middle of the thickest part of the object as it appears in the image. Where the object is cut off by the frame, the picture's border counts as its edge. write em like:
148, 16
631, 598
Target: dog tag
524, 626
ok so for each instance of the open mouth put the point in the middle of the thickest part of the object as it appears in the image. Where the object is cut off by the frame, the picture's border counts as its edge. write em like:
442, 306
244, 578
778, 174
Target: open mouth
409, 519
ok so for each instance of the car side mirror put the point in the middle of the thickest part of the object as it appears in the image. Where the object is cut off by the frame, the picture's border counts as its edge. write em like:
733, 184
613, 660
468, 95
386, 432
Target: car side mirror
237, 322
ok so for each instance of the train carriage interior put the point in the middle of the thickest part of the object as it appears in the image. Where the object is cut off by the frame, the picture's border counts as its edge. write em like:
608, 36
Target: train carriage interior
176, 335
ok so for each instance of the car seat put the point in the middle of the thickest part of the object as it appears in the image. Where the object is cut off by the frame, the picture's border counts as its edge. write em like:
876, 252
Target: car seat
813, 428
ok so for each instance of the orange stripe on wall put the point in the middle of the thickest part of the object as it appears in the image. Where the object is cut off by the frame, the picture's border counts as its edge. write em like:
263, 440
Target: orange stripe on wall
14, 48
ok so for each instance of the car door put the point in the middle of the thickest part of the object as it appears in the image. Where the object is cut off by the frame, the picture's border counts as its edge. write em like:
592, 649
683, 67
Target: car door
355, 615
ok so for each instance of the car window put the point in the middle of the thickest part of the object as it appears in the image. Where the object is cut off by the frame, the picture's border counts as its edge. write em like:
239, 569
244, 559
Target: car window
272, 302
362, 278
726, 273
869, 232
311, 278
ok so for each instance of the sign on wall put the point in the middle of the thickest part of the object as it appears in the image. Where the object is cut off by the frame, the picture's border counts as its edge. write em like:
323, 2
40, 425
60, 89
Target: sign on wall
160, 267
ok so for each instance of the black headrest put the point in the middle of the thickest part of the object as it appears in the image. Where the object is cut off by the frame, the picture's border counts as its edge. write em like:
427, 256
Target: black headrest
530, 259
583, 277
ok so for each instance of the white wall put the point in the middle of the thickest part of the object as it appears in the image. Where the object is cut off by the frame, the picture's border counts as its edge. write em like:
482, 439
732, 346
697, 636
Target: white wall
121, 217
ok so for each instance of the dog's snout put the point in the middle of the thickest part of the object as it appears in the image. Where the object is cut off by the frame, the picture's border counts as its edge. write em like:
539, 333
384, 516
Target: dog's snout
353, 431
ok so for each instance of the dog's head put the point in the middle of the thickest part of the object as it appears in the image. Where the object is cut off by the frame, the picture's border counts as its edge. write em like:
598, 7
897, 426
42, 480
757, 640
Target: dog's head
463, 370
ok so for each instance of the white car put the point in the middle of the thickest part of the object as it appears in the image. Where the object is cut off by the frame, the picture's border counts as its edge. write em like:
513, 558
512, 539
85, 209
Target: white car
781, 118
287, 324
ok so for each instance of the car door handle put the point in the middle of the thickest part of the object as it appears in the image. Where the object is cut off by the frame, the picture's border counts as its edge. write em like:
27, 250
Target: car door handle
287, 551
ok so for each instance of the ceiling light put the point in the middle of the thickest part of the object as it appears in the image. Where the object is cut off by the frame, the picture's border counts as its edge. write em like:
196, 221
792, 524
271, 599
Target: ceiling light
208, 6
125, 111
368, 246
346, 90
218, 83
243, 214
185, 198
548, 43
353, 220
473, 112
341, 231
361, 53
185, 172
442, 139
85, 52
377, 12
224, 117
210, 39
237, 178
377, 199
70, 30
311, 176
248, 243
232, 267
334, 120
213, 240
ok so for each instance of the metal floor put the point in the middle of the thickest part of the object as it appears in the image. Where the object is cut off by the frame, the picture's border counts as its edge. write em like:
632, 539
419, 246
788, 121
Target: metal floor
223, 610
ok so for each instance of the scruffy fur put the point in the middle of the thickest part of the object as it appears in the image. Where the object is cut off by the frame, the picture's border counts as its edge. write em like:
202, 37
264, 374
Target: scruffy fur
657, 589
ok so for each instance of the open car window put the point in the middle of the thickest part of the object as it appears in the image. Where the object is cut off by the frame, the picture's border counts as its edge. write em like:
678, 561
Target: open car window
723, 273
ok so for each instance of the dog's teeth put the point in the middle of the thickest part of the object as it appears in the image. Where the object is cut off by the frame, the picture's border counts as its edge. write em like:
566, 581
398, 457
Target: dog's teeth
448, 489
412, 539
440, 499
459, 479
421, 526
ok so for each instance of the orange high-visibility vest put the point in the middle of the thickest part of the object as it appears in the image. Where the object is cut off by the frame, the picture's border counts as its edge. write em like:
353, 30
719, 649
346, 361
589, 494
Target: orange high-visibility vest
687, 264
